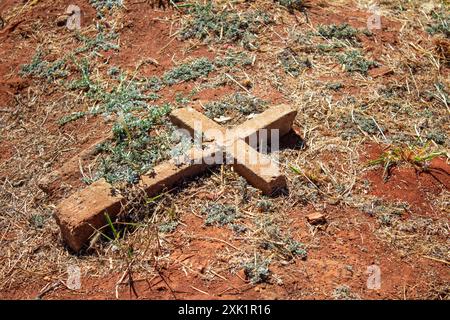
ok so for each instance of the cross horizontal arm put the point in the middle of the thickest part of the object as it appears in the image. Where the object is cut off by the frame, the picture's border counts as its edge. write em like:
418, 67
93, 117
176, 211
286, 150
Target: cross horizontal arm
279, 117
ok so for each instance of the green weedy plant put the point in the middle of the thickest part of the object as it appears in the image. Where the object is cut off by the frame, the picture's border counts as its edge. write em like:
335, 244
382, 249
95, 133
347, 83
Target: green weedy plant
219, 214
84, 82
153, 84
257, 269
105, 5
273, 239
440, 25
102, 41
133, 151
239, 228
188, 71
231, 59
195, 69
127, 96
296, 248
328, 47
417, 156
342, 32
265, 205
438, 137
168, 227
293, 5
354, 61
352, 124
343, 292
208, 23
37, 221
292, 63
335, 86
43, 69
71, 117
247, 104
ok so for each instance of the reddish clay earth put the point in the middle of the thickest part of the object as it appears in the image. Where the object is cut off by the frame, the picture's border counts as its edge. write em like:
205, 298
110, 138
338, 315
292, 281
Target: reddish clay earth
339, 251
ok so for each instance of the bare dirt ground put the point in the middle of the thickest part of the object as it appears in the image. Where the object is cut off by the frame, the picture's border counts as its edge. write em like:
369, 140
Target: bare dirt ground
369, 148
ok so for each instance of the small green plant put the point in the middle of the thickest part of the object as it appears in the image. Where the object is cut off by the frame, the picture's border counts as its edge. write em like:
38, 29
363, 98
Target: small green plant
188, 71
116, 234
239, 228
102, 41
168, 227
329, 47
292, 63
153, 84
335, 86
40, 68
438, 137
342, 32
71, 117
210, 24
352, 125
133, 151
84, 82
231, 59
219, 214
296, 248
257, 269
265, 205
343, 292
272, 238
292, 5
417, 156
103, 6
441, 24
354, 61
37, 221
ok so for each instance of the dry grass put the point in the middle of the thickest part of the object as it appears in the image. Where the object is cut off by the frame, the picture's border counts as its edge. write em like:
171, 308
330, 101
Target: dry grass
409, 108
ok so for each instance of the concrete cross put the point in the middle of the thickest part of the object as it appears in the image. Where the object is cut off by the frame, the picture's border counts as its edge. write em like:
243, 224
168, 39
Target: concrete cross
80, 215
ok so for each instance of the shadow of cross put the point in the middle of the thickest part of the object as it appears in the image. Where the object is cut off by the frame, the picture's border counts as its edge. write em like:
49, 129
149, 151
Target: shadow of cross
84, 212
